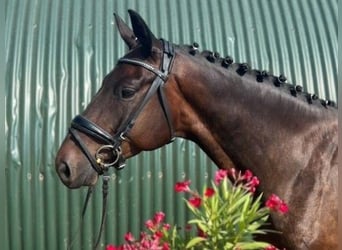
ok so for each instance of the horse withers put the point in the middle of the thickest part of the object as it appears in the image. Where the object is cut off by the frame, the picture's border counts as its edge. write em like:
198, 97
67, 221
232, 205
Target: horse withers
240, 117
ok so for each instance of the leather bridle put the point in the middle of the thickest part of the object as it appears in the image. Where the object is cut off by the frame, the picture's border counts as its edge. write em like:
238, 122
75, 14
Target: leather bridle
113, 143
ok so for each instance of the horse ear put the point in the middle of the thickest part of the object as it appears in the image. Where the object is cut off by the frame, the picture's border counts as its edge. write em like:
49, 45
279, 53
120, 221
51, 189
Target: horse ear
125, 32
142, 32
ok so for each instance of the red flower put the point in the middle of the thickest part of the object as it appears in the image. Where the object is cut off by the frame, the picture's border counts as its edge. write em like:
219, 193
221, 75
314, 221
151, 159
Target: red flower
158, 217
209, 192
220, 175
158, 235
200, 233
283, 208
195, 201
182, 186
129, 237
275, 203
166, 246
272, 202
188, 227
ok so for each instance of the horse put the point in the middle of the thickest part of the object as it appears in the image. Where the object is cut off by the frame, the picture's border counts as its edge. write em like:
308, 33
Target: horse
240, 117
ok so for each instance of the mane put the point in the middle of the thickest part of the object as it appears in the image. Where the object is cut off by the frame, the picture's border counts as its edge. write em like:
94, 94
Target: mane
261, 76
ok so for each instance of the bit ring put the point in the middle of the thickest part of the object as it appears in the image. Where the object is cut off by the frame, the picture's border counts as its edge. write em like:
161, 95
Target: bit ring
116, 153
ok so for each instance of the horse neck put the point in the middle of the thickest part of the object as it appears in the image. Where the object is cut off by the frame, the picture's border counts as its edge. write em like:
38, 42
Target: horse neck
253, 123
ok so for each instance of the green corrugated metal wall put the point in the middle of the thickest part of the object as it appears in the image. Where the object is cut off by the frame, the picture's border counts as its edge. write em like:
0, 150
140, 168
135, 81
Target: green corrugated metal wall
57, 53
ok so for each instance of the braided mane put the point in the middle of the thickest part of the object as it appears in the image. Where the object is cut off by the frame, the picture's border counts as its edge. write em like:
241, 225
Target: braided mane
261, 76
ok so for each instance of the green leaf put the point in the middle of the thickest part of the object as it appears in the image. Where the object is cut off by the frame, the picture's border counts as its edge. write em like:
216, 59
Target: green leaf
195, 221
195, 241
228, 246
236, 204
247, 203
224, 189
251, 245
201, 224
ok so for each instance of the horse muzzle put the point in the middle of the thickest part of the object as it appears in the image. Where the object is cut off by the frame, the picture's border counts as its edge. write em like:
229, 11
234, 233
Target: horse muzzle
76, 171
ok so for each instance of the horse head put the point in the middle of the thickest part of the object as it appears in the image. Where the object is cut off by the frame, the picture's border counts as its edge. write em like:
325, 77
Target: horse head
129, 113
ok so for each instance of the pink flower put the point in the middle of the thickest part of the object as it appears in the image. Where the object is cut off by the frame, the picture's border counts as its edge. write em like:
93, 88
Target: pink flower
144, 241
145, 244
111, 247
154, 244
209, 192
158, 217
195, 201
232, 173
182, 186
247, 175
166, 226
276, 204
254, 182
149, 224
271, 247
143, 235
129, 237
220, 175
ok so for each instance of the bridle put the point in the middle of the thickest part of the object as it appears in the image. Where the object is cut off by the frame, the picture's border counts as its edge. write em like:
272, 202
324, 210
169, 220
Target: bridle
113, 143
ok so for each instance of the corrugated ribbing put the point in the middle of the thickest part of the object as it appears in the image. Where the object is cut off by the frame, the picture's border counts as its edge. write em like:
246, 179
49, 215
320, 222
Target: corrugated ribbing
58, 52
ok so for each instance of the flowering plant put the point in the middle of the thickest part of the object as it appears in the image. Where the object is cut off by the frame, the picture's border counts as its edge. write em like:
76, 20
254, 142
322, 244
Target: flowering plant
155, 238
226, 216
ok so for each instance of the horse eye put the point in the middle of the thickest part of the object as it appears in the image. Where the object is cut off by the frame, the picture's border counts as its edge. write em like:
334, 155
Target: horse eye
127, 93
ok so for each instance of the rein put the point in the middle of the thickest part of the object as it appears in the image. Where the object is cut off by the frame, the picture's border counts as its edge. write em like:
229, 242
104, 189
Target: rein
113, 143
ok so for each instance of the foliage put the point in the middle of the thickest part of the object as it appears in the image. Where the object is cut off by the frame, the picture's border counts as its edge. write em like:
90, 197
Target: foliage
227, 216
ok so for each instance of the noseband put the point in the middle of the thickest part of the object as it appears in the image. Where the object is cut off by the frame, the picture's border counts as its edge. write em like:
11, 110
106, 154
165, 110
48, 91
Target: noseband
113, 143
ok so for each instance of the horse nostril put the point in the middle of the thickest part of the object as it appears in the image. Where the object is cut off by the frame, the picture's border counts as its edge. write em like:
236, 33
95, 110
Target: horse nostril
64, 171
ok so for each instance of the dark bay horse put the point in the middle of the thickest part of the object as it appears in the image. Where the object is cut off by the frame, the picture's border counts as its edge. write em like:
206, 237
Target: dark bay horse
240, 117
